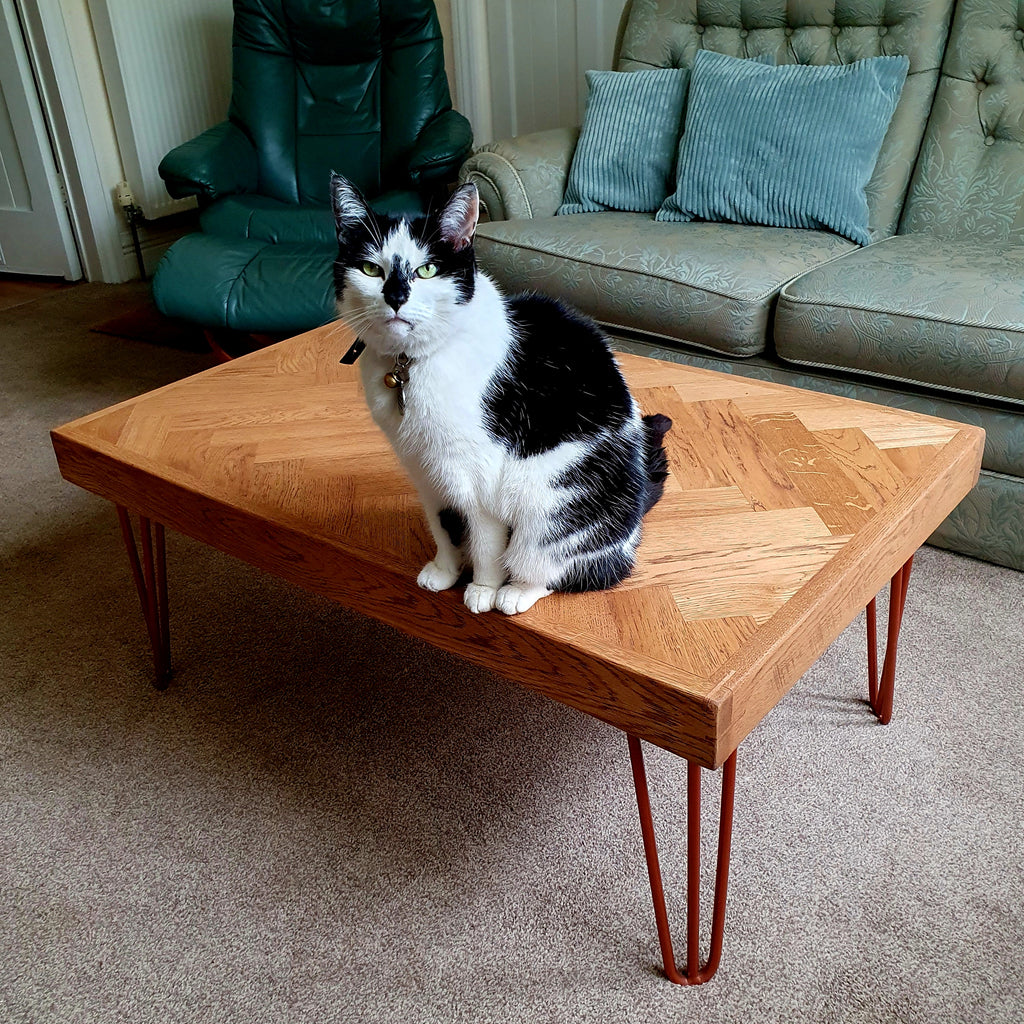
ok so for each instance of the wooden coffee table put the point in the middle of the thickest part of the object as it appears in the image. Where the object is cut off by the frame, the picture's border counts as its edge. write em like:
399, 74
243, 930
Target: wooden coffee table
785, 513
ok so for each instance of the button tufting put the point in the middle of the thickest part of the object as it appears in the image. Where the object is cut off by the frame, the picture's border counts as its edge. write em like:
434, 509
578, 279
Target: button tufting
789, 31
744, 33
989, 140
835, 30
1019, 34
699, 30
981, 83
882, 30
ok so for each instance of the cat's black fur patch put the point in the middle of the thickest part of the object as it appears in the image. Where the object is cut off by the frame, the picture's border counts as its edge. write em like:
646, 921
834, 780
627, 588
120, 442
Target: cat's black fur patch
605, 570
607, 487
398, 286
559, 383
454, 524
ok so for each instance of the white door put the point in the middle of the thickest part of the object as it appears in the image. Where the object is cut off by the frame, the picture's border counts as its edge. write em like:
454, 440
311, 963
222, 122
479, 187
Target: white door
35, 232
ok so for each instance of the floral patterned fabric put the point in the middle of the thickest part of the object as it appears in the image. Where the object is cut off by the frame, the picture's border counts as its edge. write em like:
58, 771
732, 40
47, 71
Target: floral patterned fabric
711, 285
968, 179
914, 309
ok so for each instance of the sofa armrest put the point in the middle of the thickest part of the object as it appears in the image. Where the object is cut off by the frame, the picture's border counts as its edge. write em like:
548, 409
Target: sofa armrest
522, 177
439, 149
219, 162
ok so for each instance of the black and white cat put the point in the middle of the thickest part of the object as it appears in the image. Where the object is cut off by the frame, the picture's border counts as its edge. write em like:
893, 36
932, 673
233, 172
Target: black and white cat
511, 417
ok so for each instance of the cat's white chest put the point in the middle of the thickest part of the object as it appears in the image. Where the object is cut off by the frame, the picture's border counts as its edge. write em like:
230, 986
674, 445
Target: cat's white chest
440, 434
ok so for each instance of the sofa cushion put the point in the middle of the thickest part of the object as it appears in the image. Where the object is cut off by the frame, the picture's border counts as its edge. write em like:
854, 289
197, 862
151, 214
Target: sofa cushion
790, 146
628, 141
668, 34
710, 285
914, 309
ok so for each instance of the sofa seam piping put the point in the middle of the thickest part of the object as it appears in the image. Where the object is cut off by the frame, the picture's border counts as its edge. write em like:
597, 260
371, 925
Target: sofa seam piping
967, 392
490, 181
721, 353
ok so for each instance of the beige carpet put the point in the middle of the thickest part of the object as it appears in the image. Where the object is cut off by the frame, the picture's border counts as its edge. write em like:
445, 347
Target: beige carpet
322, 820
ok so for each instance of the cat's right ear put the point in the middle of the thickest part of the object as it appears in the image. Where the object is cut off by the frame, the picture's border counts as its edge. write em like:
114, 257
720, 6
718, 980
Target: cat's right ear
348, 205
458, 219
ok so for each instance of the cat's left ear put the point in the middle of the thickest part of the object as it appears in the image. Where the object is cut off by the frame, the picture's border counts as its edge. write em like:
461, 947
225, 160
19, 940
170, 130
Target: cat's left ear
459, 216
348, 204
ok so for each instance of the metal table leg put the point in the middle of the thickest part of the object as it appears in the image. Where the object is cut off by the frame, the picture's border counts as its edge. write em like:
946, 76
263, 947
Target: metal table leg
880, 692
695, 973
150, 575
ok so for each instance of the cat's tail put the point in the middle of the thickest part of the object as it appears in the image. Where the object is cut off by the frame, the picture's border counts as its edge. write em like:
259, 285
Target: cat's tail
656, 427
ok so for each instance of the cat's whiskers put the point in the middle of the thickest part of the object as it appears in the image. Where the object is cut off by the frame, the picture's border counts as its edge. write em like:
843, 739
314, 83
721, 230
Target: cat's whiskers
355, 322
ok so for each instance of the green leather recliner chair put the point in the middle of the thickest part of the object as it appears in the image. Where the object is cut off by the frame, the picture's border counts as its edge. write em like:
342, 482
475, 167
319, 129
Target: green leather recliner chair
354, 86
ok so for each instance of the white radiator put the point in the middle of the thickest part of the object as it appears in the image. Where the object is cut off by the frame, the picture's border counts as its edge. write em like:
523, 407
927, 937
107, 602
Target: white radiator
167, 68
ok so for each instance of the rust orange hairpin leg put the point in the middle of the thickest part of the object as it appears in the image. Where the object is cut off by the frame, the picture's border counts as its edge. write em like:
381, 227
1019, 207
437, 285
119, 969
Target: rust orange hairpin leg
150, 575
695, 973
880, 691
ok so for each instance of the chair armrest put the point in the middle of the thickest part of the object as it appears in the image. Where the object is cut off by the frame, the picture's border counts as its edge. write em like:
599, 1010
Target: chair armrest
221, 161
522, 177
439, 149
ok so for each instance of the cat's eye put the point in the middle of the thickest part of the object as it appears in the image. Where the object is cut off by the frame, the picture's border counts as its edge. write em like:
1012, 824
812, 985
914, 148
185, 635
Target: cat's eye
371, 269
427, 271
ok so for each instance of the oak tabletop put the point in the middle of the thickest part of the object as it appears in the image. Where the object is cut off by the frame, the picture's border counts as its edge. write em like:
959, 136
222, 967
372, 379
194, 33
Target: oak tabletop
785, 512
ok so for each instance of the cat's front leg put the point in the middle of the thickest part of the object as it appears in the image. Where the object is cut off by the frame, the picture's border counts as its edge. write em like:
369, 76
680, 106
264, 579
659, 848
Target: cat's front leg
488, 538
448, 528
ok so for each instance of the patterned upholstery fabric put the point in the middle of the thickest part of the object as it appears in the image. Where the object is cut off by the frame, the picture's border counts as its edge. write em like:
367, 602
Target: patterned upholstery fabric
968, 179
914, 309
524, 176
711, 285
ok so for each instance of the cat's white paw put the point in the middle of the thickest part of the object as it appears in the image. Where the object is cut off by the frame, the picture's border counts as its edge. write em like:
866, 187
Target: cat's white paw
480, 598
436, 577
514, 598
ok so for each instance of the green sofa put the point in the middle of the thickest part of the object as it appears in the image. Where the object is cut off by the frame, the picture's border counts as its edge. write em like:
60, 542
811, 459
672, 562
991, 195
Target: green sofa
930, 316
356, 87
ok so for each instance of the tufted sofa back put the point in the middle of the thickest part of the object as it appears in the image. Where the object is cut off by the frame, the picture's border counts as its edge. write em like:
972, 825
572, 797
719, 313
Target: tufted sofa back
668, 33
346, 85
970, 178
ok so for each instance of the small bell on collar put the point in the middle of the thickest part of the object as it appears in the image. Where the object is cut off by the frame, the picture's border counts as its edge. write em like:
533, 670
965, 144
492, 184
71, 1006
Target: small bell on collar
397, 377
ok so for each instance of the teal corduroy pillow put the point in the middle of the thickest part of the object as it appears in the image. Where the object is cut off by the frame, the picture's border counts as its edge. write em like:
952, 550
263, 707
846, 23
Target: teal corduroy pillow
624, 157
787, 146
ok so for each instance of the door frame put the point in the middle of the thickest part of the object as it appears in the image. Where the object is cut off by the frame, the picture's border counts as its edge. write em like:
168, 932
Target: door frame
94, 220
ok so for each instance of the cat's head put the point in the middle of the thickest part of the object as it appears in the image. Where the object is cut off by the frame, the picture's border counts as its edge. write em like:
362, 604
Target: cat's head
399, 282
